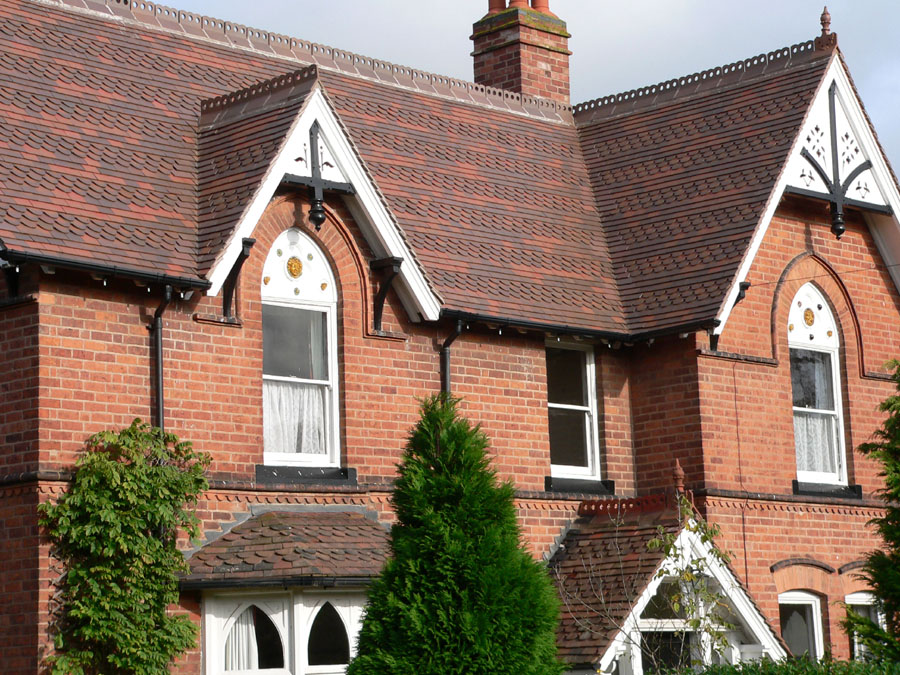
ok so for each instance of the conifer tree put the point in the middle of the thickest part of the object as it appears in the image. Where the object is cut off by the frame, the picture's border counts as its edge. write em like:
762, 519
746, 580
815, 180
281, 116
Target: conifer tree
882, 568
460, 594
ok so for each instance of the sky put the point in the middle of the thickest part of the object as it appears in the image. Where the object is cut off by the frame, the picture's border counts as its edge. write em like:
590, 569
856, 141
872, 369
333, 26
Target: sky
617, 45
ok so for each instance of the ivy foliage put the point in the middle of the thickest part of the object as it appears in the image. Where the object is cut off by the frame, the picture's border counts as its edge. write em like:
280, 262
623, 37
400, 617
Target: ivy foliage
460, 594
882, 568
115, 532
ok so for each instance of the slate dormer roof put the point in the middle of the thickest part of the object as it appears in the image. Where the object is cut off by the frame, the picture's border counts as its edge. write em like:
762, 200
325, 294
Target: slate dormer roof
619, 217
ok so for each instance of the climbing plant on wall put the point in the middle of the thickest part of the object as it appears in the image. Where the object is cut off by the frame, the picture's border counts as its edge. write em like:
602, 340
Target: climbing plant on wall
114, 532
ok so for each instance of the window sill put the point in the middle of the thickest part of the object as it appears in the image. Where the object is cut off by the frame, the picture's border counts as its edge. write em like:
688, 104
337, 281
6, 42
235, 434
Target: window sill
825, 490
304, 475
583, 485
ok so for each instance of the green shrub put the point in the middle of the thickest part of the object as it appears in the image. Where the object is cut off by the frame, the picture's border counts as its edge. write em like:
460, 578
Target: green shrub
115, 532
882, 568
805, 666
460, 594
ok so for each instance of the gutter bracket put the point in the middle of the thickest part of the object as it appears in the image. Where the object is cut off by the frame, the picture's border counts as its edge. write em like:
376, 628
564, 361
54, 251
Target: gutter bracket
230, 284
392, 269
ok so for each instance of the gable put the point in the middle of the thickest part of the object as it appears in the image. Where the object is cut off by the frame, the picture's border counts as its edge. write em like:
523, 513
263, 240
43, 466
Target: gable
835, 155
683, 172
294, 159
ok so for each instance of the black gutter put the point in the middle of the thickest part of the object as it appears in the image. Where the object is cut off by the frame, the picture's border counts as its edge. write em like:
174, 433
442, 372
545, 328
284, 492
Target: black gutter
18, 257
156, 328
703, 324
445, 356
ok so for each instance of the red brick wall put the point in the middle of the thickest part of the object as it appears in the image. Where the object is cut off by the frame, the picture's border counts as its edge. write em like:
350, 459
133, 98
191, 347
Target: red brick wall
748, 433
617, 453
665, 405
18, 388
96, 371
20, 579
759, 534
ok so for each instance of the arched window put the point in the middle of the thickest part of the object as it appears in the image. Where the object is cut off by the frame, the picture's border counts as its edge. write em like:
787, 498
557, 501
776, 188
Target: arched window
328, 643
253, 643
815, 383
801, 623
300, 383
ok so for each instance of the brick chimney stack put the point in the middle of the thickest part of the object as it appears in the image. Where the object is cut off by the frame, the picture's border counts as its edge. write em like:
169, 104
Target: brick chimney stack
522, 48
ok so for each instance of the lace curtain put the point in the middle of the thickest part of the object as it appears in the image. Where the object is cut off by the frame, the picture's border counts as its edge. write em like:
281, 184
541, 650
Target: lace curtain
814, 441
294, 417
240, 647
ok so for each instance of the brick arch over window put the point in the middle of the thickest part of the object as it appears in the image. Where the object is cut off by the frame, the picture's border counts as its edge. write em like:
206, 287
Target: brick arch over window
339, 241
803, 576
810, 268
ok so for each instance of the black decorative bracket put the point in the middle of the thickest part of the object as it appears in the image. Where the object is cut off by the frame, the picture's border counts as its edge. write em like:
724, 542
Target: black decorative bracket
316, 184
230, 284
837, 191
391, 267
743, 287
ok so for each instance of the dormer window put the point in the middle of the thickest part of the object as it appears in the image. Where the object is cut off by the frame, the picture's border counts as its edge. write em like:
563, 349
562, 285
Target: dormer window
300, 384
815, 384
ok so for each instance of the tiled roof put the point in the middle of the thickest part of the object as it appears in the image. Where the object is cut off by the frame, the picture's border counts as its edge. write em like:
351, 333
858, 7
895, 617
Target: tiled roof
634, 218
683, 172
303, 548
602, 567
239, 136
497, 207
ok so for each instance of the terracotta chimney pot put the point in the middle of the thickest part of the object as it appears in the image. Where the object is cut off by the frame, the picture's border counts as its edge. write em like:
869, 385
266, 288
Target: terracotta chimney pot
496, 6
518, 3
542, 6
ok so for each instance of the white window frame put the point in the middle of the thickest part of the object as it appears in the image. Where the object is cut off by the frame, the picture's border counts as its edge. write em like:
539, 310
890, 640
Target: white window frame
293, 614
862, 599
815, 603
331, 458
826, 344
592, 470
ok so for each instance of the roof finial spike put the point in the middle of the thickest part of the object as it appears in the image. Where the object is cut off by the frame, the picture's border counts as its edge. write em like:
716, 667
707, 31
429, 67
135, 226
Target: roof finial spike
825, 19
678, 477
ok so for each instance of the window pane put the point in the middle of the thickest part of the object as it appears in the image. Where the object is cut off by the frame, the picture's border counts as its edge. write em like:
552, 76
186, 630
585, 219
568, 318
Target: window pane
812, 379
858, 651
797, 629
661, 650
253, 642
569, 437
294, 417
814, 441
328, 643
295, 342
566, 376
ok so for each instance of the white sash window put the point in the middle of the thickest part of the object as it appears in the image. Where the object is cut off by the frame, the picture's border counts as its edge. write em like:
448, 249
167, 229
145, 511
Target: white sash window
300, 384
815, 385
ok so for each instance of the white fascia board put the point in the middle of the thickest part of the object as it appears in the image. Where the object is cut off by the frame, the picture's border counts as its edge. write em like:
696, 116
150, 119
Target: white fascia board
885, 229
690, 543
367, 207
